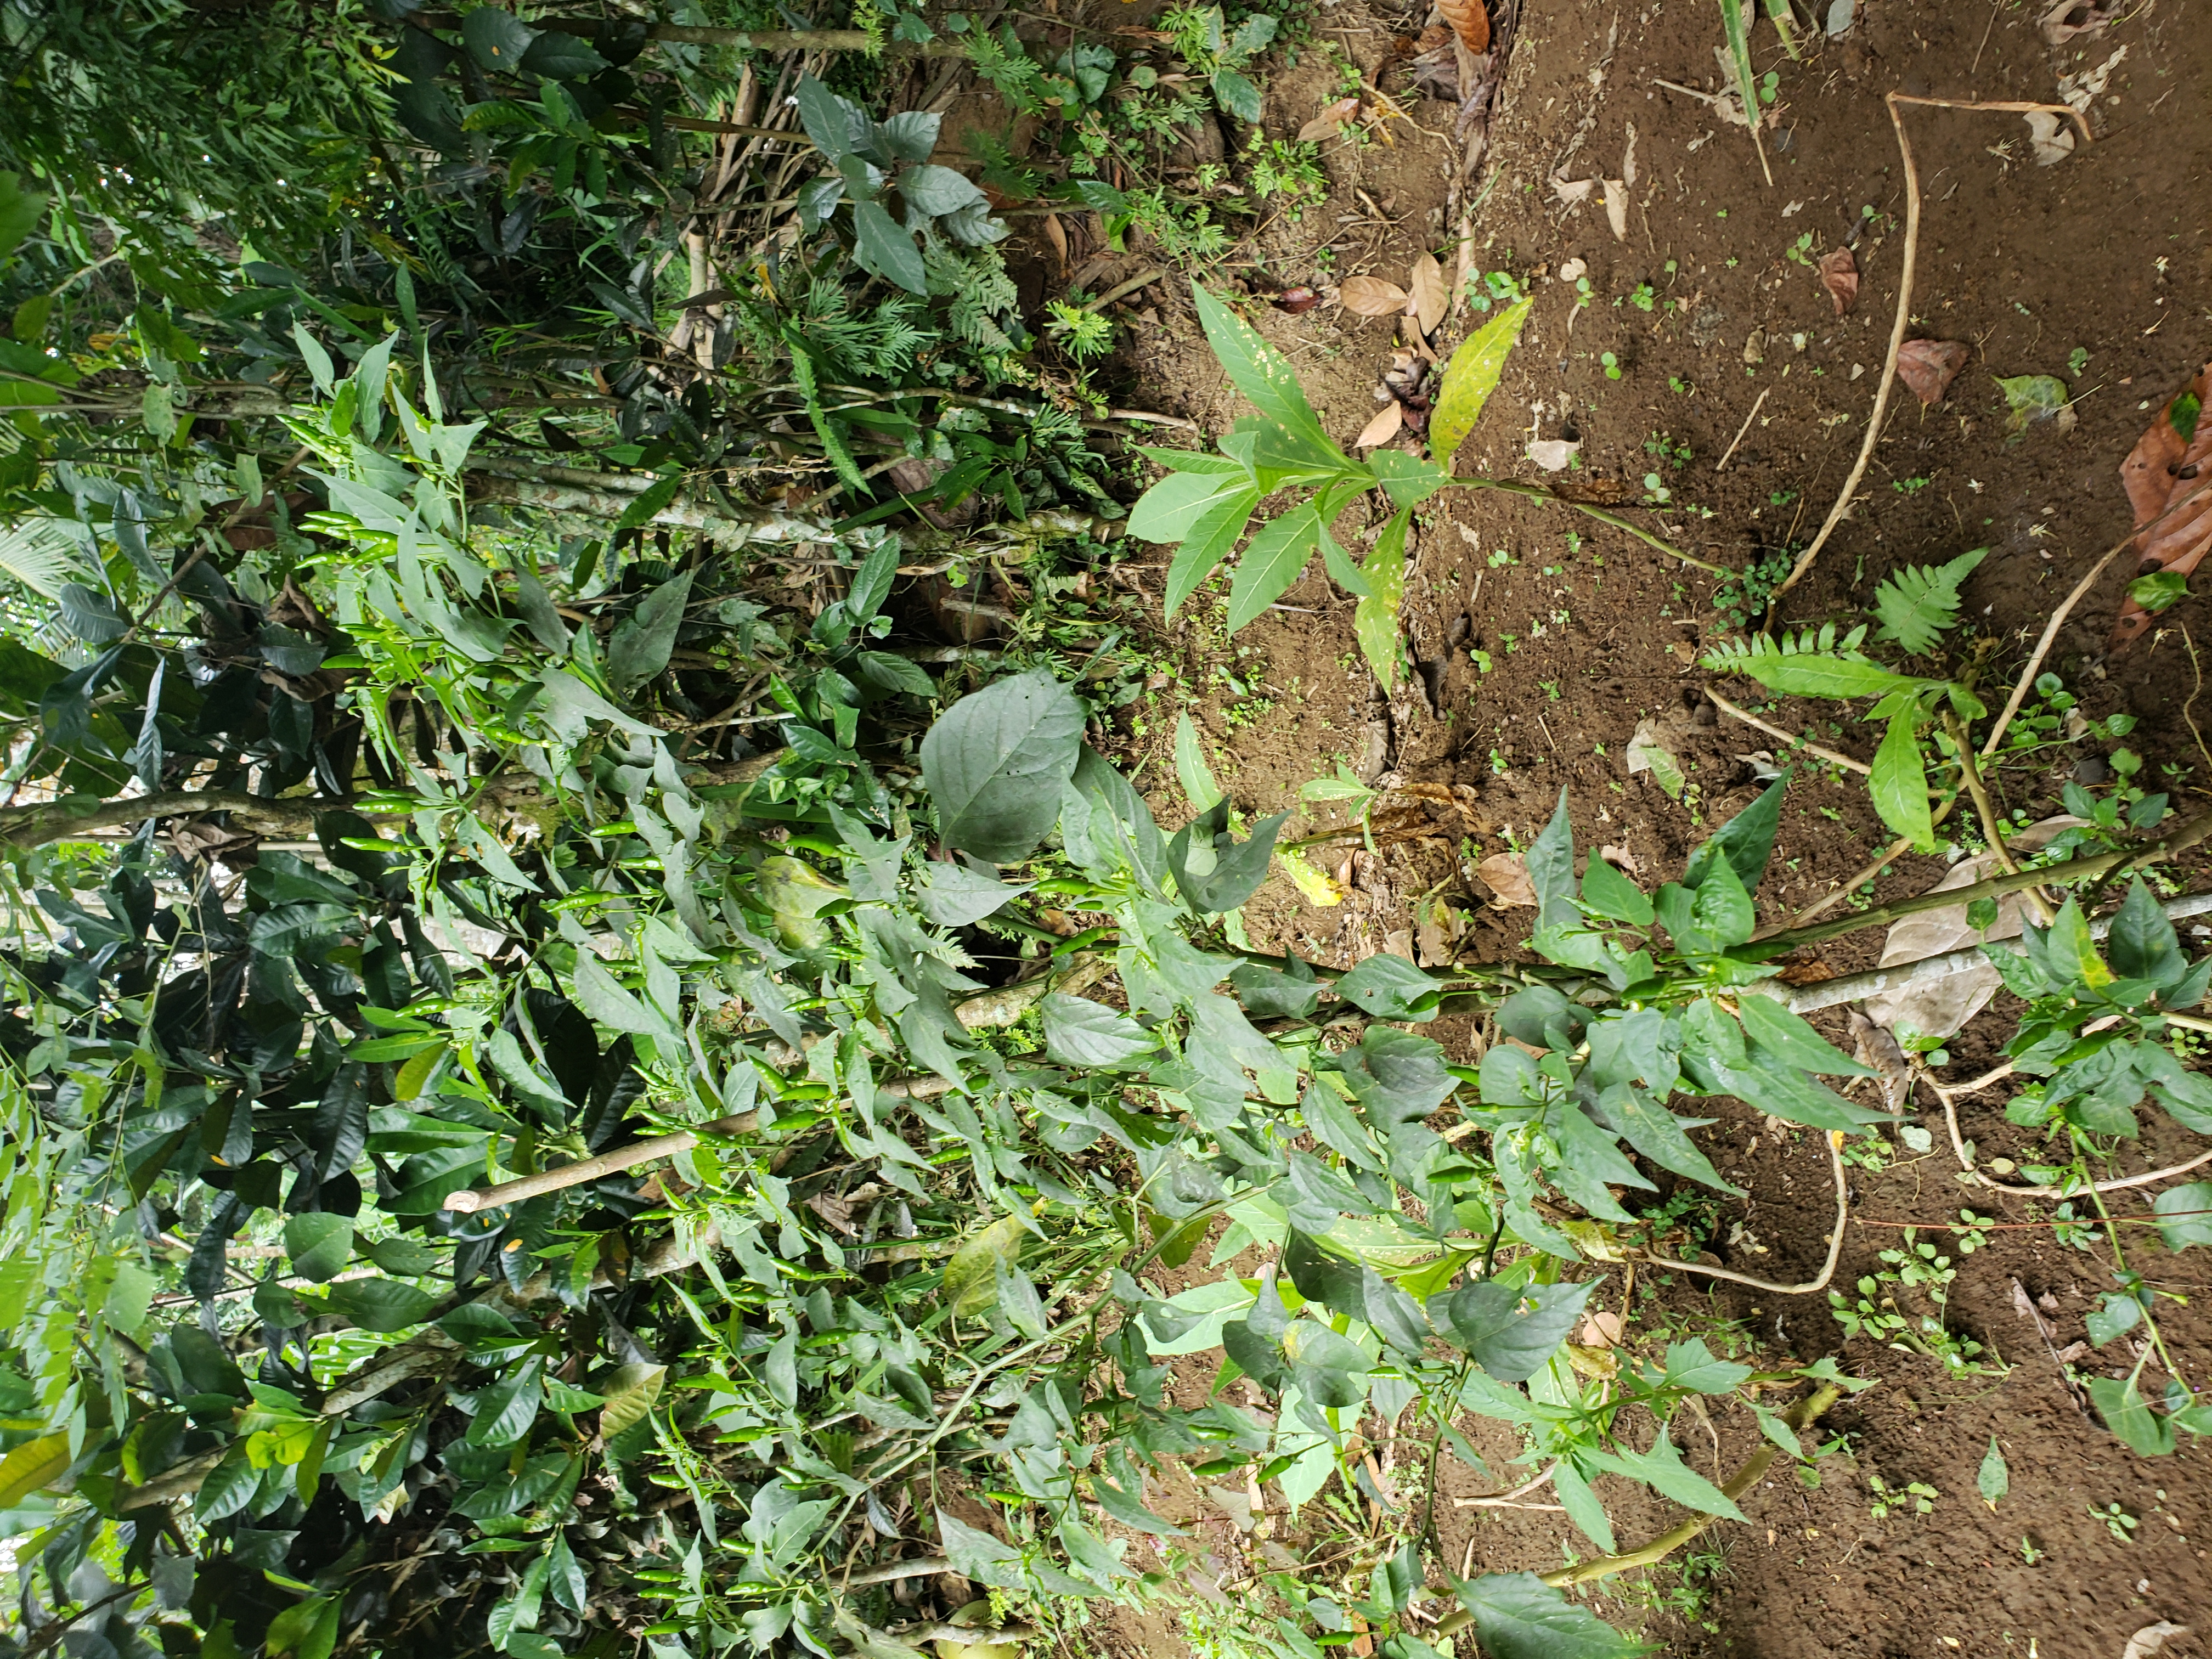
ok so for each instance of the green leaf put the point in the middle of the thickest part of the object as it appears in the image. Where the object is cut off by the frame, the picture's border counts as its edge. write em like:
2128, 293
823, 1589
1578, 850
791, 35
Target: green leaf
1081, 1032
2071, 949
1471, 377
1551, 861
1721, 908
505, 1410
1919, 603
2112, 1318
1809, 674
1609, 893
20, 212
556, 56
1993, 1480
1388, 986
1192, 770
1518, 1616
1211, 535
995, 762
1168, 511
976, 1554
883, 248
936, 191
2029, 398
382, 1305
970, 1284
2129, 1416
1259, 371
837, 125
1375, 620
319, 1245
1239, 867
630, 1390
1782, 1034
496, 39
1512, 1345
1237, 95
1658, 1134
639, 647
1663, 1469
2143, 944
2160, 591
308, 1629
1745, 840
1899, 782
601, 996
1408, 480
1274, 558
32, 1467
1691, 1365
953, 896
2185, 1215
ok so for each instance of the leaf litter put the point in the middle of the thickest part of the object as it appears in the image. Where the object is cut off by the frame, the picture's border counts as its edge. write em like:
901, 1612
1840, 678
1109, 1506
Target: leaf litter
2169, 462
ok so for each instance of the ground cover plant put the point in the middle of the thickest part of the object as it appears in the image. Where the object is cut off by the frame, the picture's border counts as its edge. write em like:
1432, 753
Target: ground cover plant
577, 1080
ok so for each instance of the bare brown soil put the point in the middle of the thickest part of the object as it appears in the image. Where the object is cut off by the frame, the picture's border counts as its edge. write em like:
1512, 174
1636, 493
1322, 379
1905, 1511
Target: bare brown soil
1585, 633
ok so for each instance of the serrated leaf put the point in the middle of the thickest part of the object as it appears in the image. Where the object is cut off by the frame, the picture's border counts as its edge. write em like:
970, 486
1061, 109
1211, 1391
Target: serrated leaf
995, 762
1919, 603
1470, 378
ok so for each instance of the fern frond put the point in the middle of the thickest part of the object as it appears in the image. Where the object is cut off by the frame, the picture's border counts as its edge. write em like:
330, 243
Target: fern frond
1919, 603
1743, 656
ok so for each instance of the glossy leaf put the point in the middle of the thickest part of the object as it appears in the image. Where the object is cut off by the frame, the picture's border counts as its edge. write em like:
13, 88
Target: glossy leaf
1471, 377
1518, 1616
1899, 782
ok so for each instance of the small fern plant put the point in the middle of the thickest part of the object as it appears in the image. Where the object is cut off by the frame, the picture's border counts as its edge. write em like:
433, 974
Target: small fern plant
1914, 609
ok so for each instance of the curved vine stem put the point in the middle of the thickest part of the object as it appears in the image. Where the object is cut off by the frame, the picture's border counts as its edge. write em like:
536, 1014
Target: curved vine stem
1538, 493
1827, 1269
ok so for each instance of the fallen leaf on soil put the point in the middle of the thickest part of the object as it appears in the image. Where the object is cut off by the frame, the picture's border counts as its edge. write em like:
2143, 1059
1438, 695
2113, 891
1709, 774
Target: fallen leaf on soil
1876, 1047
1296, 300
2169, 461
1315, 886
2033, 398
2049, 137
1646, 753
1938, 1007
1330, 122
1811, 970
1602, 1330
2085, 86
1370, 296
1469, 21
1427, 287
1057, 236
1628, 158
1574, 269
1506, 875
2151, 1637
1929, 367
1553, 455
1571, 191
1388, 421
1616, 209
1839, 275
2070, 18
1839, 17
1623, 861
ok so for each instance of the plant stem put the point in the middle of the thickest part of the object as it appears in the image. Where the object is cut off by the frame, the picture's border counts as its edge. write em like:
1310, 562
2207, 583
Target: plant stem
1537, 493
1992, 826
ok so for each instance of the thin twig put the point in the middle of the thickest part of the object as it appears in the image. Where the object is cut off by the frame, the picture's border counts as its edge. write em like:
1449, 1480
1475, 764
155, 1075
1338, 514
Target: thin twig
1903, 314
1827, 1269
1967, 1166
1992, 826
1537, 493
1739, 431
1773, 731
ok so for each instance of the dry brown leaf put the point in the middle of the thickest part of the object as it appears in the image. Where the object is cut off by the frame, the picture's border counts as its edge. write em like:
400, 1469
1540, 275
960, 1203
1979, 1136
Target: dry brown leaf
1571, 191
1623, 861
1296, 301
2151, 1637
2070, 18
1370, 296
1616, 209
2163, 468
1469, 21
1839, 275
1553, 455
1056, 234
1506, 875
2050, 139
1427, 288
1929, 367
1878, 1048
1330, 122
1628, 158
1388, 421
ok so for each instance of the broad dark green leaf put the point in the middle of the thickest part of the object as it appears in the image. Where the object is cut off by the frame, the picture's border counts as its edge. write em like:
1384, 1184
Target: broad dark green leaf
639, 647
1898, 782
560, 56
953, 896
882, 247
1782, 1033
1390, 987
837, 125
1745, 840
497, 38
2143, 944
1081, 1032
319, 1245
2128, 1414
1609, 893
1518, 1616
1511, 1343
382, 1305
1239, 867
2185, 1215
1274, 994
994, 764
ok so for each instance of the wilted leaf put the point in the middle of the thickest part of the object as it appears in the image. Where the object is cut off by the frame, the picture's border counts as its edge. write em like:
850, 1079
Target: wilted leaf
1469, 21
1553, 455
1647, 752
2031, 397
1839, 275
1370, 296
1388, 421
1330, 122
1506, 875
1315, 886
2169, 462
2151, 1637
1928, 367
971, 1276
2065, 20
1428, 294
2049, 137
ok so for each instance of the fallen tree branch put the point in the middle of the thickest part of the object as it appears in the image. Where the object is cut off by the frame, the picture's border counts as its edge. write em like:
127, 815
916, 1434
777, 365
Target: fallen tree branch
1831, 756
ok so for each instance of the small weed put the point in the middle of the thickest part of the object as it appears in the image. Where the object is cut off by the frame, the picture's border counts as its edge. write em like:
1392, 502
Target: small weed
1082, 334
1655, 489
2076, 361
1611, 365
2118, 1522
1486, 289
1742, 599
2028, 1551
1917, 1495
1664, 447
1801, 251
1680, 388
1908, 486
1689, 1589
1643, 296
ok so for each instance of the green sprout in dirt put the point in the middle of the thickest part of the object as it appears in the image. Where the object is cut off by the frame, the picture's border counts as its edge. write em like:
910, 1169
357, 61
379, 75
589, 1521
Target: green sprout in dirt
1916, 1496
1207, 499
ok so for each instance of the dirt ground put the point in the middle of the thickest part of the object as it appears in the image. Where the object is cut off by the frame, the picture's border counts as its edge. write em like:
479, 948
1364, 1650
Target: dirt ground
1542, 641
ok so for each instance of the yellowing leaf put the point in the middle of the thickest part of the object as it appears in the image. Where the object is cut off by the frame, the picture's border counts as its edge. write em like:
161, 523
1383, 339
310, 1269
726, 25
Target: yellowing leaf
407, 1085
631, 1392
971, 1276
1471, 378
1317, 886
31, 1466
1375, 621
